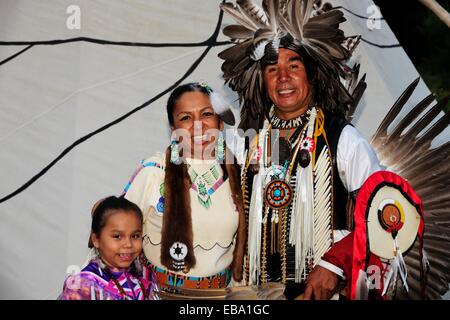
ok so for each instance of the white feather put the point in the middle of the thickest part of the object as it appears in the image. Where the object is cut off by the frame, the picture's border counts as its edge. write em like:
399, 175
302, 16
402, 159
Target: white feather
362, 289
258, 50
218, 102
400, 265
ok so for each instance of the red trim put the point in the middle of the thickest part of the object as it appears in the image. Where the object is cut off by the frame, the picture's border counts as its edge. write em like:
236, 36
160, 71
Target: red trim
360, 245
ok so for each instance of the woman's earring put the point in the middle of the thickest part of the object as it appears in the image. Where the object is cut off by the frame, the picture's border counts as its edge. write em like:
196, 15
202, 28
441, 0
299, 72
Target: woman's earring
174, 152
220, 148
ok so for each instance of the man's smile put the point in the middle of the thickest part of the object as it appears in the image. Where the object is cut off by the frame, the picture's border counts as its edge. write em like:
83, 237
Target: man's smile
285, 91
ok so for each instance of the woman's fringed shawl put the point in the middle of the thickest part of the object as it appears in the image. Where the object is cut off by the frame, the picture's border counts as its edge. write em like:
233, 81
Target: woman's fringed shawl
177, 221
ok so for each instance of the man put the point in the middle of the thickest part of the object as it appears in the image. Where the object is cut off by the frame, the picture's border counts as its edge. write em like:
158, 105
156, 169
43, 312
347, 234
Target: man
307, 159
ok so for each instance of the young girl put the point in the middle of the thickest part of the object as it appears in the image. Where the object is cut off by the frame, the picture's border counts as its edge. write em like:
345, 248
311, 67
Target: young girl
115, 273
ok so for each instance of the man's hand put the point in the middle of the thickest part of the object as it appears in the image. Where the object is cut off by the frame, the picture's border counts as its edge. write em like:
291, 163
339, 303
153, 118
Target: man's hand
321, 284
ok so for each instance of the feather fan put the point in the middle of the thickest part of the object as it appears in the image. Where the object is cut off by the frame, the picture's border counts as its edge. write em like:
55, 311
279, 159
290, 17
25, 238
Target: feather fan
407, 150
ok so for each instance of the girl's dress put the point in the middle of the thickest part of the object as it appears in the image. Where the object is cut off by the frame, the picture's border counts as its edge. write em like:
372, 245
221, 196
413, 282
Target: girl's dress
98, 282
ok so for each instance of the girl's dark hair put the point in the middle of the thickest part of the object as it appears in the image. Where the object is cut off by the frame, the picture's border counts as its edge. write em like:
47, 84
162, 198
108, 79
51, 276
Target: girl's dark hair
103, 209
179, 91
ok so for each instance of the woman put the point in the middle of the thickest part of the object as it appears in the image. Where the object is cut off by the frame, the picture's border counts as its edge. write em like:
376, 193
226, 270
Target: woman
194, 224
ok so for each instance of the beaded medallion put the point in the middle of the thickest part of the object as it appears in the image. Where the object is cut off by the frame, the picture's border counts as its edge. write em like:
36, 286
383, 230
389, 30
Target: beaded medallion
278, 194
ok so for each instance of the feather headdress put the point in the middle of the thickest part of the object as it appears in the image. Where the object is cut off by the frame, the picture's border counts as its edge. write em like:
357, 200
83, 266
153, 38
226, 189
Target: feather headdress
305, 26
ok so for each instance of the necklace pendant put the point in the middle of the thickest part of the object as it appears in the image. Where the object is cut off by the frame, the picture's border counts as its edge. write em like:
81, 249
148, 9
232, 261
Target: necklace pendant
278, 194
202, 194
201, 187
304, 158
205, 202
205, 185
202, 190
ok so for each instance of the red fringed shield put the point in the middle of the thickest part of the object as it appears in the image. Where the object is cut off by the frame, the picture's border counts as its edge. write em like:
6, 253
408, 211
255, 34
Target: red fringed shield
390, 219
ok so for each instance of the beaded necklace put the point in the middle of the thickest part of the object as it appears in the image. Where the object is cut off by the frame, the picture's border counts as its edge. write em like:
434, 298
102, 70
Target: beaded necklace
200, 183
278, 123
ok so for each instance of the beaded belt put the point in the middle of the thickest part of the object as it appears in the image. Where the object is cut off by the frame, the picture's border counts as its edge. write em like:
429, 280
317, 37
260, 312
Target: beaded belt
168, 278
